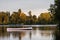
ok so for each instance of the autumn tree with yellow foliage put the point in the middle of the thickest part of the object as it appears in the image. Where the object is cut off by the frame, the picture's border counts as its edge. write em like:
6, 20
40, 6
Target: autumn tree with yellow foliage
45, 18
20, 17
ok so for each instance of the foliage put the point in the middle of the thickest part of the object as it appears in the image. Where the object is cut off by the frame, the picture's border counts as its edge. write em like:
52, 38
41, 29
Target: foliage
14, 18
45, 18
35, 20
21, 18
29, 18
4, 17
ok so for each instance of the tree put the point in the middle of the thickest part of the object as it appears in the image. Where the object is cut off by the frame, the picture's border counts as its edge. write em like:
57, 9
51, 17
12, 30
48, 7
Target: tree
52, 8
35, 19
45, 18
30, 18
30, 14
19, 11
22, 18
14, 18
57, 17
4, 17
55, 10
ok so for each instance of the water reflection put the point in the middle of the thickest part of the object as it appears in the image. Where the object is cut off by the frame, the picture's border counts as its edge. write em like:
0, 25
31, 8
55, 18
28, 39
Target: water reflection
28, 35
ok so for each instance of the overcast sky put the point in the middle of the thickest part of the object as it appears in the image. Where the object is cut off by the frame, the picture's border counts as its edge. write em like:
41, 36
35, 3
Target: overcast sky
36, 6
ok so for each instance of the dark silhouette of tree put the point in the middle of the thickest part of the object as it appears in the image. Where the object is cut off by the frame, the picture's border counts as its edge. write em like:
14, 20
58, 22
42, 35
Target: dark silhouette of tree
35, 21
2, 18
56, 10
57, 16
30, 14
52, 8
19, 11
30, 18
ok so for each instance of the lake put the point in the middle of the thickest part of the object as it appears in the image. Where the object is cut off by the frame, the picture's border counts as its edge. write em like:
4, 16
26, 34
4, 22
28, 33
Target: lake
34, 34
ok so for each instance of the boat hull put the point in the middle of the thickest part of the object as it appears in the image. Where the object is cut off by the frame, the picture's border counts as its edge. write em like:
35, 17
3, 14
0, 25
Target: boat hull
18, 29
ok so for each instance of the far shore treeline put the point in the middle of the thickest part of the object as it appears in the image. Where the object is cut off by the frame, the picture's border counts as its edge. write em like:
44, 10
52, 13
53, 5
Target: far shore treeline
20, 17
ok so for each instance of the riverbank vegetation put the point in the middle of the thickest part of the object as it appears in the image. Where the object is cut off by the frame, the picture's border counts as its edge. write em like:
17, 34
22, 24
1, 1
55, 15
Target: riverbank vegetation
20, 17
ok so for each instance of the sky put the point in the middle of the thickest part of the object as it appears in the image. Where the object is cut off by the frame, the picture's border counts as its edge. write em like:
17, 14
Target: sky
36, 6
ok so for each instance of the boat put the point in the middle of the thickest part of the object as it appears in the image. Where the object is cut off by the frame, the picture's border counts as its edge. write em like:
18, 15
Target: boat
18, 29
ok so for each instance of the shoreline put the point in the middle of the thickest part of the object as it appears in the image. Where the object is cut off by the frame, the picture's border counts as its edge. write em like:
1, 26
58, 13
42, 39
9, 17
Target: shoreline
31, 25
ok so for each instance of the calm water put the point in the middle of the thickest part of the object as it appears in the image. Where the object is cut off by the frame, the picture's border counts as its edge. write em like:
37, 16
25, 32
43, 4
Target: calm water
28, 35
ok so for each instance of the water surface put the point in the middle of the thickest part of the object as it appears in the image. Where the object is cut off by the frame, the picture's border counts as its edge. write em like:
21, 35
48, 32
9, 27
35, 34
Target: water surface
28, 35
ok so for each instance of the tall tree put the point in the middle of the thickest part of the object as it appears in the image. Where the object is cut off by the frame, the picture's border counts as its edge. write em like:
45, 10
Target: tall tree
57, 11
57, 17
30, 14
30, 17
35, 19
